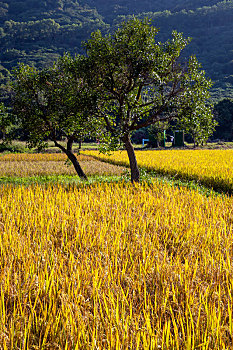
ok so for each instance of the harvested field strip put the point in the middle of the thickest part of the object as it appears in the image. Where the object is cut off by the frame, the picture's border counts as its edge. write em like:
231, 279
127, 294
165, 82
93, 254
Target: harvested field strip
35, 157
115, 267
32, 168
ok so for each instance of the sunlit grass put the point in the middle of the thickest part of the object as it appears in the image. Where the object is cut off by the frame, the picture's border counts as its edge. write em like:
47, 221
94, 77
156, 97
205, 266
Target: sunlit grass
213, 168
115, 266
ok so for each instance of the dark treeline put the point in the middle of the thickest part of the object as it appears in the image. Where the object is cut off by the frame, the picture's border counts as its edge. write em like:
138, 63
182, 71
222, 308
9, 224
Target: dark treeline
37, 32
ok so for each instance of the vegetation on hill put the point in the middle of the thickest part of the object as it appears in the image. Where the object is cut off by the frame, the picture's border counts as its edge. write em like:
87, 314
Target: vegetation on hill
109, 10
37, 32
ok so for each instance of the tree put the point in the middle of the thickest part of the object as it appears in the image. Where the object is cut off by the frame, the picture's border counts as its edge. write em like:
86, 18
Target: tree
223, 111
52, 103
193, 121
199, 126
140, 81
6, 120
156, 133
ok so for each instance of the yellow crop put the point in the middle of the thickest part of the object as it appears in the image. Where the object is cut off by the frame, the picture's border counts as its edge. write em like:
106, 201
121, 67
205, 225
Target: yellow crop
115, 267
35, 157
211, 167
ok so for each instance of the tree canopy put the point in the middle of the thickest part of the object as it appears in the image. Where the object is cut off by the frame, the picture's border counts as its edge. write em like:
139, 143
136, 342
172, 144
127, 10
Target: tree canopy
53, 103
126, 81
6, 120
139, 81
224, 115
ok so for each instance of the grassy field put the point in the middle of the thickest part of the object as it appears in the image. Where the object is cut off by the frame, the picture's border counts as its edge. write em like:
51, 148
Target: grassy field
111, 265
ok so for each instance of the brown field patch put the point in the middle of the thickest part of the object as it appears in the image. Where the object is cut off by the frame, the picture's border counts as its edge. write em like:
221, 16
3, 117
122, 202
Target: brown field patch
52, 167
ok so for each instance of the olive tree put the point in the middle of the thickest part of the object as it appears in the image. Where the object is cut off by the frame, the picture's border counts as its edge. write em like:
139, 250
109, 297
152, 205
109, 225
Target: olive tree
52, 103
139, 81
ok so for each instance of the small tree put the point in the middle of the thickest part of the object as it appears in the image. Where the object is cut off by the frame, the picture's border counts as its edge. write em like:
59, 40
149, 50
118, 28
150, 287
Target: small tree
6, 120
52, 103
223, 111
196, 116
140, 81
156, 133
198, 126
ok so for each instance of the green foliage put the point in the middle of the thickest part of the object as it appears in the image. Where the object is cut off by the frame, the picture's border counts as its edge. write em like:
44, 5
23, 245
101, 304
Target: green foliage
140, 81
51, 103
7, 147
224, 116
156, 133
195, 116
37, 32
6, 121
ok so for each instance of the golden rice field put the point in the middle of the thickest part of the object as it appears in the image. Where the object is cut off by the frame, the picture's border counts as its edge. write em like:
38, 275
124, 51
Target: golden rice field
115, 266
53, 164
211, 167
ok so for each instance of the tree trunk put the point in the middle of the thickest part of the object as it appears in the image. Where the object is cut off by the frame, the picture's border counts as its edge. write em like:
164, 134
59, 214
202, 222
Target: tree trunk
72, 157
135, 174
76, 164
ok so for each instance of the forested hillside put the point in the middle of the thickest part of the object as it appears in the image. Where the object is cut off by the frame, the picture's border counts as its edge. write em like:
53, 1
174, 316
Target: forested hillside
37, 32
112, 8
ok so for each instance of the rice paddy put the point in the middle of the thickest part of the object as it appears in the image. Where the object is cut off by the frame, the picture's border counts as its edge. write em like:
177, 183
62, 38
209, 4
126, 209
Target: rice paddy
113, 266
213, 168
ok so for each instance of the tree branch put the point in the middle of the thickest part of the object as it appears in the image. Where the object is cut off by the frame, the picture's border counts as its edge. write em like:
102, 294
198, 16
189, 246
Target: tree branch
151, 120
139, 92
108, 125
59, 146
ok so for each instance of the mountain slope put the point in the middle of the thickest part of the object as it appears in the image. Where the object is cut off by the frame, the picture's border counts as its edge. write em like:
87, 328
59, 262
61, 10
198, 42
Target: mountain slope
112, 8
37, 32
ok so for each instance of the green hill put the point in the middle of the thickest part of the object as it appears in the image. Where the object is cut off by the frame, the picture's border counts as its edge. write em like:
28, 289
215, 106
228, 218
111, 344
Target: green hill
113, 8
37, 32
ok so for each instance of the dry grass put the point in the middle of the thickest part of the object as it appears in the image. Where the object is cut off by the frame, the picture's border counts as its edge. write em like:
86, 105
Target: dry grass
35, 157
52, 164
115, 267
